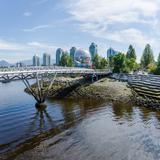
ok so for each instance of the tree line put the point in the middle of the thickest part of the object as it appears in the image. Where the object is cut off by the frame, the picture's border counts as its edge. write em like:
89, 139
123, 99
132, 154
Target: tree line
127, 63
121, 63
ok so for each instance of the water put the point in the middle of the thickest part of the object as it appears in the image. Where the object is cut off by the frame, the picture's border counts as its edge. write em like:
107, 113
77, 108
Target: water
75, 129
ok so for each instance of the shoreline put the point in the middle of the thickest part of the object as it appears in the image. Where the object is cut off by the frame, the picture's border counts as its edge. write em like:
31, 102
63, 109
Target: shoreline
104, 89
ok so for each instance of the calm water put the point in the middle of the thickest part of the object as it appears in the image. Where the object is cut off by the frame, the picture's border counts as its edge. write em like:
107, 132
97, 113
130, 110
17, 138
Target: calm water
75, 130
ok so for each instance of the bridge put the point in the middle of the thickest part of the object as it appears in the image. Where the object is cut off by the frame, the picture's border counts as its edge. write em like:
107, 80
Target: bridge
39, 73
10, 74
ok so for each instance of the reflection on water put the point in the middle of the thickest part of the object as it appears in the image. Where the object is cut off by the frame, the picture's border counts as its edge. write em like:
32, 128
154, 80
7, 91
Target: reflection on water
75, 129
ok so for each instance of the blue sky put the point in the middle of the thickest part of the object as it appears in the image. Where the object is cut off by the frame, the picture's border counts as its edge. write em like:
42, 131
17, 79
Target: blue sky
31, 27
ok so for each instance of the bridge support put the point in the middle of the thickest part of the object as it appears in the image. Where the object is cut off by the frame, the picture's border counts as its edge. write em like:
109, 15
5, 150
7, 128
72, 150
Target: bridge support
39, 92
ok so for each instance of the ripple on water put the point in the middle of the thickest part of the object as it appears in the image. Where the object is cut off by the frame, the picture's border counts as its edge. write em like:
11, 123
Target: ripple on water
75, 129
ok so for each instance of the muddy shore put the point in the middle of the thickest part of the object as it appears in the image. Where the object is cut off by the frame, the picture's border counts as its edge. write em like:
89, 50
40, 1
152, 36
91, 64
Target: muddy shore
105, 89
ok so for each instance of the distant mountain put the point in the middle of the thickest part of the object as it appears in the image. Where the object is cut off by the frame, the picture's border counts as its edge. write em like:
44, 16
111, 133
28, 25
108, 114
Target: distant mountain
4, 63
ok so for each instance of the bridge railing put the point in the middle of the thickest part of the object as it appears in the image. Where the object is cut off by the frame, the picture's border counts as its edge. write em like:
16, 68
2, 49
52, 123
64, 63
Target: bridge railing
32, 68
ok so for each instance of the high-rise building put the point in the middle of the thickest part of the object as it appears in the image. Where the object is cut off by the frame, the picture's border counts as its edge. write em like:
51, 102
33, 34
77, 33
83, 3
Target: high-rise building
19, 64
46, 59
59, 53
72, 52
111, 52
93, 49
36, 60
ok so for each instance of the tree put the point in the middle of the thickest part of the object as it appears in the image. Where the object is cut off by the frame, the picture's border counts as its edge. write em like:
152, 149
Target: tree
130, 64
103, 63
70, 62
152, 68
147, 57
157, 71
110, 61
99, 62
118, 63
131, 53
158, 61
66, 60
96, 61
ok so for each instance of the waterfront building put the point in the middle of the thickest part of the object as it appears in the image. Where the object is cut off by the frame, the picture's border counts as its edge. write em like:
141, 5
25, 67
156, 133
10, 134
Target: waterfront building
111, 52
59, 53
19, 64
36, 60
72, 52
46, 59
82, 58
93, 50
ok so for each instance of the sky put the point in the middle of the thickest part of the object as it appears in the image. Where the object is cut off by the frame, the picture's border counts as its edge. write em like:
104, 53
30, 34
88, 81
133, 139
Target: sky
29, 27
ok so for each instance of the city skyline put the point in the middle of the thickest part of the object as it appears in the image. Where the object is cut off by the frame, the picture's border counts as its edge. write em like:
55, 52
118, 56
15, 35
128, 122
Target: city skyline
39, 26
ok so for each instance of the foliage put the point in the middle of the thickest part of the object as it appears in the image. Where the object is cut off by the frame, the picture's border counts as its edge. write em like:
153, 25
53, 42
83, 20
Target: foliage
157, 71
137, 66
99, 62
158, 61
147, 57
118, 63
103, 63
111, 61
70, 62
130, 64
123, 64
96, 61
66, 60
131, 54
152, 68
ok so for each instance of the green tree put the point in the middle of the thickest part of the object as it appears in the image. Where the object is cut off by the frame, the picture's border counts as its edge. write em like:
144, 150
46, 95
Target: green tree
131, 53
96, 61
70, 62
152, 68
118, 63
147, 57
158, 61
110, 61
130, 64
66, 60
103, 63
158, 65
99, 62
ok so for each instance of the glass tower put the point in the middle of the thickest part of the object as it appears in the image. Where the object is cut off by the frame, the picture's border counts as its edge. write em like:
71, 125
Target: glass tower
36, 60
93, 49
46, 59
72, 52
59, 53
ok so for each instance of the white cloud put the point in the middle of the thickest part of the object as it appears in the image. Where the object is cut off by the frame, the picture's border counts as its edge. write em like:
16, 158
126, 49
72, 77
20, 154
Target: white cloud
93, 10
122, 21
27, 14
11, 46
37, 28
14, 51
44, 46
29, 46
